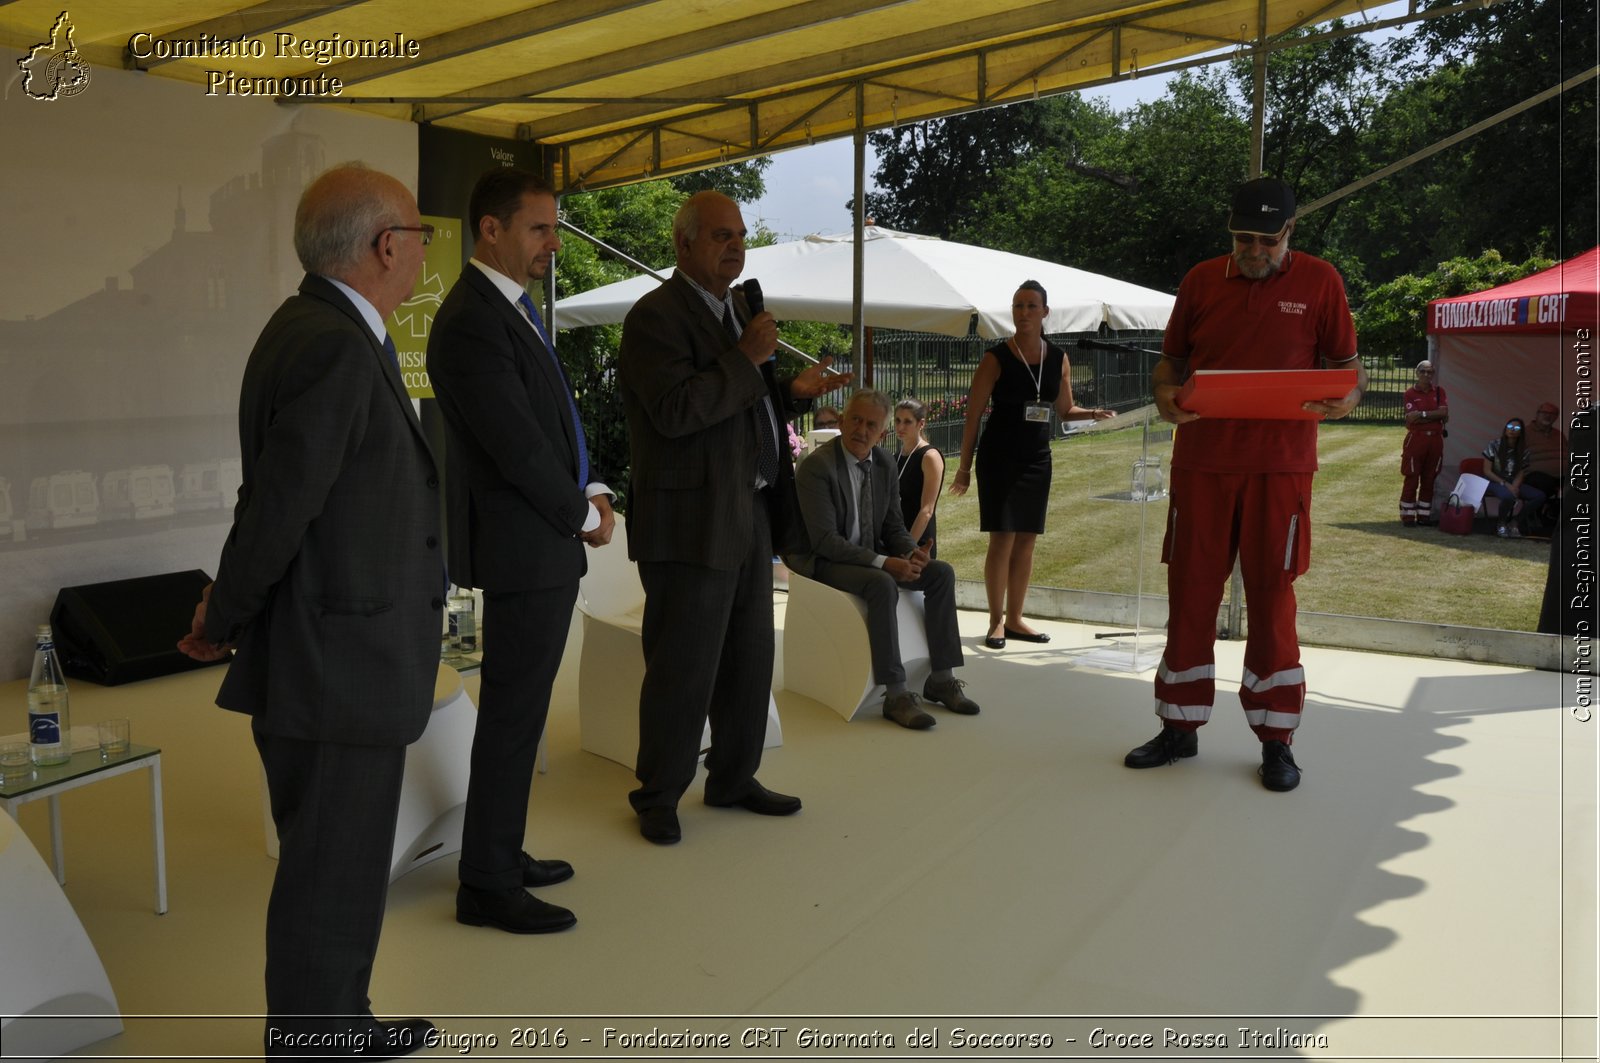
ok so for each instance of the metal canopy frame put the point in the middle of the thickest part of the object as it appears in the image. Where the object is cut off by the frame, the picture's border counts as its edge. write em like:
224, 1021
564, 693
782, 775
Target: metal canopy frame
617, 91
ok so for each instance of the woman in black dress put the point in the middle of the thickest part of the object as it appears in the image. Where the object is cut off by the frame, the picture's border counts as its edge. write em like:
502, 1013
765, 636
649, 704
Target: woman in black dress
1025, 377
921, 473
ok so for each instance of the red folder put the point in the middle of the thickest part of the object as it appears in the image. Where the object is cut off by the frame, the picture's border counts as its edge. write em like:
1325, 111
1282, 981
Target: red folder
1263, 394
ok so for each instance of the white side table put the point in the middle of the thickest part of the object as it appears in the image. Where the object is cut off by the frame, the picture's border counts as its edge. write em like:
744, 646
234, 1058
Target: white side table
82, 770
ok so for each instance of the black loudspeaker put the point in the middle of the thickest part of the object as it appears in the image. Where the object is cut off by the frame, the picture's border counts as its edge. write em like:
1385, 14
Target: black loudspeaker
128, 629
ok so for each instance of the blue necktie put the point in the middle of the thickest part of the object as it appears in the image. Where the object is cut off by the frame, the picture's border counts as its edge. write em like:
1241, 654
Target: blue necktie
572, 405
388, 346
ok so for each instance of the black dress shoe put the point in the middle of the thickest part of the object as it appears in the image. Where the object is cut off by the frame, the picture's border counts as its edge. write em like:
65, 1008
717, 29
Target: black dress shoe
537, 873
660, 825
1027, 636
763, 802
515, 911
1278, 770
994, 643
1165, 748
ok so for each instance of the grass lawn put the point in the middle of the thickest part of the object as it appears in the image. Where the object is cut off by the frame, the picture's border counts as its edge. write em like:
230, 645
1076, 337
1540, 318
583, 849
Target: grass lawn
1364, 563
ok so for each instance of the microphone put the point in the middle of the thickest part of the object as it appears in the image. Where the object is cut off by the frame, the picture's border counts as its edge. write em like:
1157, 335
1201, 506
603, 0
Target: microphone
1124, 348
753, 297
756, 302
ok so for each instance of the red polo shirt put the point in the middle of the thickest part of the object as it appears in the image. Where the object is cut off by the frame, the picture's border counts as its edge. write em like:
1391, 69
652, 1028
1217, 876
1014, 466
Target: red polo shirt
1224, 320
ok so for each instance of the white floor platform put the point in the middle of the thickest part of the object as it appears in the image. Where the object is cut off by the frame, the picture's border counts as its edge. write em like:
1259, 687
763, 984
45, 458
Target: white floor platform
1428, 893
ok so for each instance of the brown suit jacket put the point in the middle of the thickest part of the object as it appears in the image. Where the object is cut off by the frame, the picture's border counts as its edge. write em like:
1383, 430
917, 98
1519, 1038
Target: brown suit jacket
692, 401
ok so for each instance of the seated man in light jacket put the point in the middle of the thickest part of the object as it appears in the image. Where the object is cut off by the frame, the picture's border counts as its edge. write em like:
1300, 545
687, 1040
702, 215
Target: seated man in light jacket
874, 557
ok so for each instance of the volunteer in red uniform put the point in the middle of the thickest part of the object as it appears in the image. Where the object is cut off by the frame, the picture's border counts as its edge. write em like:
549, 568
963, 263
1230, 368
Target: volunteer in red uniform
1422, 456
1242, 488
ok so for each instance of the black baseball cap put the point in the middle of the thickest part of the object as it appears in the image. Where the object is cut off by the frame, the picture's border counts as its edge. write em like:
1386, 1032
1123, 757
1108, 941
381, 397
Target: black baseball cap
1262, 206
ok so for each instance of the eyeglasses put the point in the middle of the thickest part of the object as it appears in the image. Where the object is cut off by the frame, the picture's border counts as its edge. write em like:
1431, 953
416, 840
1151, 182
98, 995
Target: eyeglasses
1424, 372
1246, 239
425, 230
1513, 428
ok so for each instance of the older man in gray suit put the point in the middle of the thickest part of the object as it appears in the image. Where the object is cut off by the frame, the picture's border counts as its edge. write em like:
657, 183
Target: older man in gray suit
713, 491
331, 587
859, 544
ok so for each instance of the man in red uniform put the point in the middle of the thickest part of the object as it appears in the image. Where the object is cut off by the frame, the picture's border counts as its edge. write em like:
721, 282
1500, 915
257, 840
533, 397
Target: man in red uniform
1422, 456
1242, 488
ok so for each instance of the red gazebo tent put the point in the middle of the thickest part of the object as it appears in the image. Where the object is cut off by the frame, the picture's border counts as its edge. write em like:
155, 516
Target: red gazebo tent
1502, 352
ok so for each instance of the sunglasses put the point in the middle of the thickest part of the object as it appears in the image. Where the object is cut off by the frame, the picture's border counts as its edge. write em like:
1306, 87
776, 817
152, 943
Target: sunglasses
1246, 239
1513, 428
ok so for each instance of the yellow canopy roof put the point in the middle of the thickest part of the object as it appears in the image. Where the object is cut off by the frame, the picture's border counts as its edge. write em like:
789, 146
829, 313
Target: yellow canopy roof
622, 90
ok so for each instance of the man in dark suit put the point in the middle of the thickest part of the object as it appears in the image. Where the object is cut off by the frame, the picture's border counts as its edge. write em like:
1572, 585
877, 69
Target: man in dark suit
523, 502
859, 544
330, 587
713, 492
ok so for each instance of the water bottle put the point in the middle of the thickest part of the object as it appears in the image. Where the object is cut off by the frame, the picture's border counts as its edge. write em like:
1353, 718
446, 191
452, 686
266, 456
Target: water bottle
463, 617
49, 721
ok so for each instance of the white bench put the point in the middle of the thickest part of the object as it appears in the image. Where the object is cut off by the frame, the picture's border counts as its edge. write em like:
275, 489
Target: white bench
826, 653
611, 669
54, 992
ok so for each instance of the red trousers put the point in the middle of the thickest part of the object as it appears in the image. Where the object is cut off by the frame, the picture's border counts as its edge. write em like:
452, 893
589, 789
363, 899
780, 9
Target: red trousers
1263, 520
1421, 458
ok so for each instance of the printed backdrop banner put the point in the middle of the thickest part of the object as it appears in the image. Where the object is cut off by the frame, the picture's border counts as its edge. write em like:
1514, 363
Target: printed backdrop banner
157, 225
449, 164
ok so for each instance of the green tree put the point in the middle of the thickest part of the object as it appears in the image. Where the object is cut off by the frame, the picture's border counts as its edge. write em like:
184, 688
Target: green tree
1392, 321
1176, 160
1527, 185
1321, 101
1399, 225
931, 175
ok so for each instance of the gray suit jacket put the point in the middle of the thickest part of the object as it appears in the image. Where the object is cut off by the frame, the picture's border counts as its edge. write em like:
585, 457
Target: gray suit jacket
692, 398
828, 505
331, 579
516, 507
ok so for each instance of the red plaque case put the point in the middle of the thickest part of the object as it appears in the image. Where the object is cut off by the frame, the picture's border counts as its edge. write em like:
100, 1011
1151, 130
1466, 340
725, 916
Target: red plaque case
1263, 394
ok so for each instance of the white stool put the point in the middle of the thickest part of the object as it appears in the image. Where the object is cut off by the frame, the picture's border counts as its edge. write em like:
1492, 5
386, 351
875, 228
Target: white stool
826, 652
611, 669
51, 970
433, 795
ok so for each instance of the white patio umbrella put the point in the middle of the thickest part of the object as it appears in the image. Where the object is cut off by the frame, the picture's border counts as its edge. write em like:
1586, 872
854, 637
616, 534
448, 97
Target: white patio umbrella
917, 283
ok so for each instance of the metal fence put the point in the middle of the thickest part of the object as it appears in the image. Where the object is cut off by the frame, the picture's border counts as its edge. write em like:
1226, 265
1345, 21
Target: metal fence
937, 370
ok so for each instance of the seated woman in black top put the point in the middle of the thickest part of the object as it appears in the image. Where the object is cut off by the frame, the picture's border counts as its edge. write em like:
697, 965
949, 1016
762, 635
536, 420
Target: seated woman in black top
921, 472
1506, 465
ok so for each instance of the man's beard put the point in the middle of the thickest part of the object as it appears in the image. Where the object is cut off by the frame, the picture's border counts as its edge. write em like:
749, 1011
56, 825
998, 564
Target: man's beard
1256, 268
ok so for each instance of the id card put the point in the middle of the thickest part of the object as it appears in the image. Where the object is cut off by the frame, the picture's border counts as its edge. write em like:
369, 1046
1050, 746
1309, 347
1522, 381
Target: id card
1036, 411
